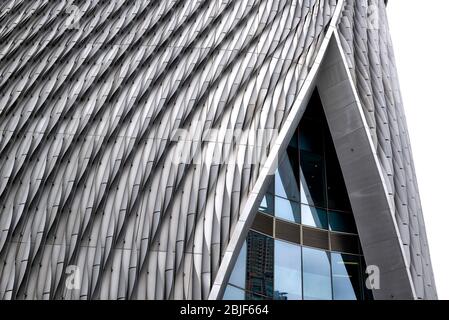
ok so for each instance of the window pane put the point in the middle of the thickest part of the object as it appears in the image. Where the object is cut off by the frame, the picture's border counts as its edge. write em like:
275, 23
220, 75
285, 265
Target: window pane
288, 231
342, 222
344, 243
270, 189
238, 275
314, 217
346, 277
287, 268
312, 180
317, 275
263, 223
336, 189
233, 293
267, 204
310, 132
287, 210
286, 177
315, 238
294, 141
259, 268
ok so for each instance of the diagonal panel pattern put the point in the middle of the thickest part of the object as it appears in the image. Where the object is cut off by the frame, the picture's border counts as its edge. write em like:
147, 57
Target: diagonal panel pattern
111, 116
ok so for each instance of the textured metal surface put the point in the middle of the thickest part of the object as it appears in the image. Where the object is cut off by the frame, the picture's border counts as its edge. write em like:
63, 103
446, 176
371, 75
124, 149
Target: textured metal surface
88, 119
365, 38
90, 111
372, 206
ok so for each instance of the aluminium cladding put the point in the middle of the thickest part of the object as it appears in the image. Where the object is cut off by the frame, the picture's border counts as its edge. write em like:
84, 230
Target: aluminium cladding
92, 96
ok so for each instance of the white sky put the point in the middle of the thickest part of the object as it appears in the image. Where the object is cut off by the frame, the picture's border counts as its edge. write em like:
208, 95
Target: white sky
420, 37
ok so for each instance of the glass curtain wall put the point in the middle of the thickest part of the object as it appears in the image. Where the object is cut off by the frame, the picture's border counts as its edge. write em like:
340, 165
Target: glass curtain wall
304, 242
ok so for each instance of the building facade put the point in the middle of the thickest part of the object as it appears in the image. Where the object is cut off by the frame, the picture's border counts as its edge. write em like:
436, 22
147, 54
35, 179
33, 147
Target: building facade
207, 149
303, 243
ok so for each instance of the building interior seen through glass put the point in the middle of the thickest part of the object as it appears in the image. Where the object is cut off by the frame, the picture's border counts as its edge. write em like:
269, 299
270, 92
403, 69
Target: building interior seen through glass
303, 243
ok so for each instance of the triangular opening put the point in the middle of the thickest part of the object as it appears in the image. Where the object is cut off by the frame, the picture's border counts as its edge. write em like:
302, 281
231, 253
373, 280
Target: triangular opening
303, 243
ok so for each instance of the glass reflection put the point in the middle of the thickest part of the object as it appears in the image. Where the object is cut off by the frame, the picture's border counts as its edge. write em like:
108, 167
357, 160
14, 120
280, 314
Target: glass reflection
308, 188
342, 222
314, 217
346, 280
316, 275
233, 293
286, 177
312, 180
254, 296
287, 268
238, 274
267, 204
259, 264
287, 210
311, 132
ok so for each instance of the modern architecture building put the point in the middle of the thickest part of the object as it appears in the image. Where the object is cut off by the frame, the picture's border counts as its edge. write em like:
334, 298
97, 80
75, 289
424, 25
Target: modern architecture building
205, 149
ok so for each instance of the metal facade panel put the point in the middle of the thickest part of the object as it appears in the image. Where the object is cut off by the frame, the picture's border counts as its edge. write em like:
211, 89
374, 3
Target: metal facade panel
365, 37
96, 101
371, 204
103, 104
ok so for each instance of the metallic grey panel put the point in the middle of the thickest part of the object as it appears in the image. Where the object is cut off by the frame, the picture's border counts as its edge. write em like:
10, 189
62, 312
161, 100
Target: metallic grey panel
372, 206
106, 111
93, 116
365, 38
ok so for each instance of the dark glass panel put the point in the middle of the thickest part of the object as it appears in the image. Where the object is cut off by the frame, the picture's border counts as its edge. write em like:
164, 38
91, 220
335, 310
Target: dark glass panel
288, 231
311, 136
259, 267
314, 109
315, 238
287, 268
346, 281
312, 180
263, 223
344, 243
312, 173
311, 127
287, 210
342, 222
314, 217
316, 275
294, 142
270, 189
367, 294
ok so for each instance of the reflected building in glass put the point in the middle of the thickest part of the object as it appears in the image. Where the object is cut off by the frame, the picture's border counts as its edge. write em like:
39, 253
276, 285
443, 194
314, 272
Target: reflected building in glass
303, 244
